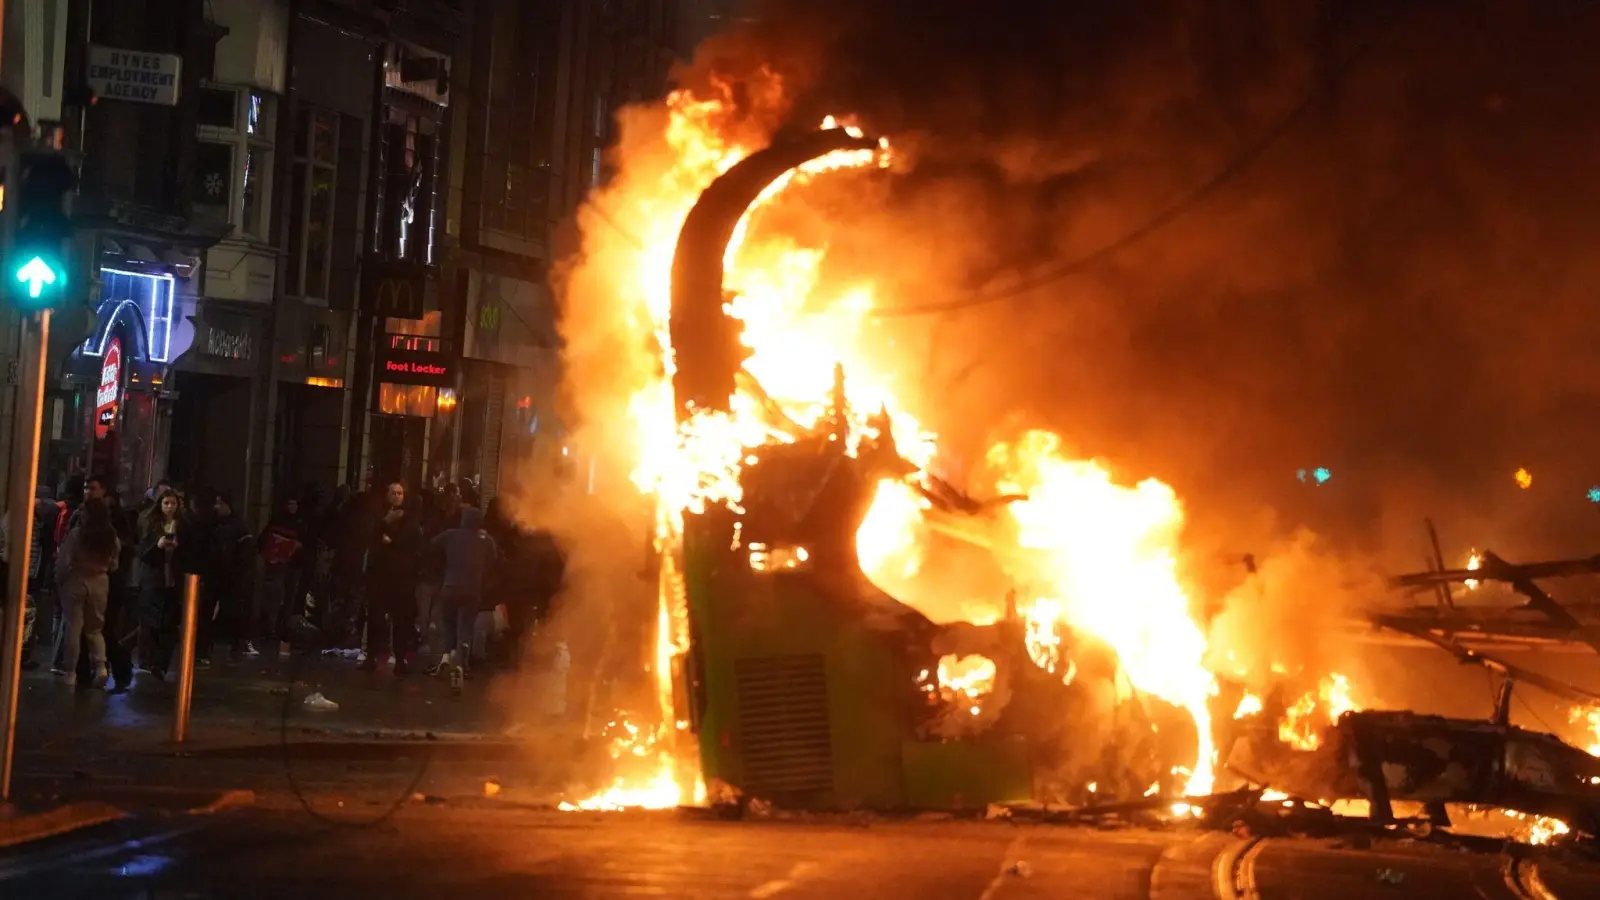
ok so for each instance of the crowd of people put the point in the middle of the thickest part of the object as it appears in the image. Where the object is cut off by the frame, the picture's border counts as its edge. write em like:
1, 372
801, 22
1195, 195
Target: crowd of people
385, 572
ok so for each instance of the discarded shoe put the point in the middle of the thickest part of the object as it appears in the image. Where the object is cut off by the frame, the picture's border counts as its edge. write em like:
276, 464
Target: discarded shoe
320, 703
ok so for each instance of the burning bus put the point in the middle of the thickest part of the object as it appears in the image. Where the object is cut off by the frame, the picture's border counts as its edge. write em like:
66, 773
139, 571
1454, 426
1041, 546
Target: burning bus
823, 641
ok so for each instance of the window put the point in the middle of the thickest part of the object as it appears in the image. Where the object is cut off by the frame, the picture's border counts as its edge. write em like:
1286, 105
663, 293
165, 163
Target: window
210, 194
217, 108
232, 180
311, 200
411, 146
522, 113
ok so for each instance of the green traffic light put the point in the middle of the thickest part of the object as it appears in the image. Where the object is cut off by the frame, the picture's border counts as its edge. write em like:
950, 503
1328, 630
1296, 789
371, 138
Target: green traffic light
36, 273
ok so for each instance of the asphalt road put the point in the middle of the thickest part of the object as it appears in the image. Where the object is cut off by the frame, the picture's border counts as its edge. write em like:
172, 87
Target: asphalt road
488, 851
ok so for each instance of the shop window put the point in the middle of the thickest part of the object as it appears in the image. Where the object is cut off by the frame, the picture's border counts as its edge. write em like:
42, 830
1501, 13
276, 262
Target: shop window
408, 399
233, 171
311, 202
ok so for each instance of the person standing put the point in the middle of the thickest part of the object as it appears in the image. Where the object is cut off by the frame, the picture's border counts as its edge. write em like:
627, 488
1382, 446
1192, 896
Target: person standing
283, 549
223, 605
39, 552
122, 627
468, 553
392, 564
88, 555
160, 596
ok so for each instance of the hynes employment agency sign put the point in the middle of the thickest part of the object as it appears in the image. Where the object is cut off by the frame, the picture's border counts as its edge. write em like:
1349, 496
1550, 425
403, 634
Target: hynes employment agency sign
417, 367
131, 75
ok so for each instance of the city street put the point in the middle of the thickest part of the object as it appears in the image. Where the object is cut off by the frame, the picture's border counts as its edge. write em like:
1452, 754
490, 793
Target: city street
490, 850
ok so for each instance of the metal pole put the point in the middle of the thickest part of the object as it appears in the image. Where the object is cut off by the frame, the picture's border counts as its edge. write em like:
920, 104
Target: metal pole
191, 608
19, 538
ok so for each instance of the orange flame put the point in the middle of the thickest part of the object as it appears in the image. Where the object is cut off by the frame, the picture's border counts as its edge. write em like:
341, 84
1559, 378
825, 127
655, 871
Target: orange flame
1589, 718
1097, 557
1305, 719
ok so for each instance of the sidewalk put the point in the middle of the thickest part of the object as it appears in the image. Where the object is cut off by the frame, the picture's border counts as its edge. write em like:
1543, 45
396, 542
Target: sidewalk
250, 701
242, 715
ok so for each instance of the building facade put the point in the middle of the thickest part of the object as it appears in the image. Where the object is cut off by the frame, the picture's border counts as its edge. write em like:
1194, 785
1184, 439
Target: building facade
314, 236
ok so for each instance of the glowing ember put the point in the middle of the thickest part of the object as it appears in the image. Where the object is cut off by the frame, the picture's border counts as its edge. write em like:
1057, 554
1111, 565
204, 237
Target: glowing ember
1524, 479
966, 679
1474, 563
1305, 719
1537, 829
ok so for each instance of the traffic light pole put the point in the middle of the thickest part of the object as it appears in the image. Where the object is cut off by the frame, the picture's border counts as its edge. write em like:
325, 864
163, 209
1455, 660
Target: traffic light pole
19, 538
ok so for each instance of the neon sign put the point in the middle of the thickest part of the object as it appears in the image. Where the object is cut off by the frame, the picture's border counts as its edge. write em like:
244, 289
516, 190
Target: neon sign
105, 399
150, 296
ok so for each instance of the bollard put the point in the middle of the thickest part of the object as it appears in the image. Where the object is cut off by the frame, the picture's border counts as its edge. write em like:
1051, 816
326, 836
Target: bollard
191, 615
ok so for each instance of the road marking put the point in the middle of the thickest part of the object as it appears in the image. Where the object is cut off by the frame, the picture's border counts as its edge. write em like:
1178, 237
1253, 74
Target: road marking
1233, 875
779, 885
1007, 860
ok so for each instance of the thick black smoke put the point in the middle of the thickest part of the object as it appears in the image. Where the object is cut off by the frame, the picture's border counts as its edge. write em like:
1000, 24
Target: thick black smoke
1400, 288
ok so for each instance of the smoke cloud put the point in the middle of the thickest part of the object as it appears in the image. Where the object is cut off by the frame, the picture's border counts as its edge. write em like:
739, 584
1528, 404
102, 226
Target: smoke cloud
1396, 289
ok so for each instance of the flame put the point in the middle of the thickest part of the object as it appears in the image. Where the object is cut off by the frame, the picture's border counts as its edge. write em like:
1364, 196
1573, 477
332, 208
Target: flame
1589, 718
1249, 705
1524, 478
1098, 557
966, 679
1304, 720
1537, 830
1103, 555
886, 543
660, 791
1474, 563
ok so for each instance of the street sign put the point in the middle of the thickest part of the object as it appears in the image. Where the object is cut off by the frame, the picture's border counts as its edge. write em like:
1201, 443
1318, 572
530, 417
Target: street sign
115, 74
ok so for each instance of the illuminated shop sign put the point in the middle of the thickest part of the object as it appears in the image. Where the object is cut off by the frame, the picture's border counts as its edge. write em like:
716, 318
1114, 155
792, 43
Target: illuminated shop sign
401, 366
145, 300
106, 396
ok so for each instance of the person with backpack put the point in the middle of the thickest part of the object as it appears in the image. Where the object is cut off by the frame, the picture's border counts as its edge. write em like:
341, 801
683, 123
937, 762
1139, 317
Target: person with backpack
88, 554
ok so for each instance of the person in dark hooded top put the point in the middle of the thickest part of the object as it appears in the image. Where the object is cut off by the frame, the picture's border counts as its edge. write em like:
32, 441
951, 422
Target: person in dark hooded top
468, 553
393, 561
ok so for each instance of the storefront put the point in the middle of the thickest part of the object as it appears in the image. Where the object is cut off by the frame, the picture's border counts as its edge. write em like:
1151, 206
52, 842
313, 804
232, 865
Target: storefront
414, 422
109, 414
508, 418
213, 432
312, 398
